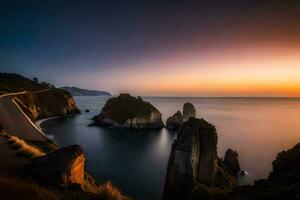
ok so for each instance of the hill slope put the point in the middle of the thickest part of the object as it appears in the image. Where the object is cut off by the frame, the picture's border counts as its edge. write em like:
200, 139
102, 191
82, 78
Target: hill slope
84, 92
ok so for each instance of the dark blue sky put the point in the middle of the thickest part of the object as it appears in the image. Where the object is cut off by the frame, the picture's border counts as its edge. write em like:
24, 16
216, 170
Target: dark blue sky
66, 42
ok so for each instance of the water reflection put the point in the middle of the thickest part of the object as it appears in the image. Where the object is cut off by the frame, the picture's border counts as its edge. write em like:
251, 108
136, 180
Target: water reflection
136, 161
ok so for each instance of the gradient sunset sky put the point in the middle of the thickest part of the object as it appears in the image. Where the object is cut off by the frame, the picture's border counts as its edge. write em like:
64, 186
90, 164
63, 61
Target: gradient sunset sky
197, 48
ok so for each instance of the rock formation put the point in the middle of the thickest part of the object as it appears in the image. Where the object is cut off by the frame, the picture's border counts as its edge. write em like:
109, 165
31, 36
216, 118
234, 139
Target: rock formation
194, 161
44, 104
282, 183
231, 161
188, 111
61, 167
129, 112
174, 122
39, 100
287, 166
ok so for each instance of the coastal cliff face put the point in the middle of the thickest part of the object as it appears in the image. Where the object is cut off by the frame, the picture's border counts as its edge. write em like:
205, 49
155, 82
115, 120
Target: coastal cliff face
194, 163
48, 103
282, 183
129, 112
38, 100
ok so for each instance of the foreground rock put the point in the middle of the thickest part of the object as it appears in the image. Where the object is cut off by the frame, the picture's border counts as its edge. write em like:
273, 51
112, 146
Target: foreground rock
194, 164
188, 111
282, 183
129, 112
61, 167
174, 122
286, 167
231, 161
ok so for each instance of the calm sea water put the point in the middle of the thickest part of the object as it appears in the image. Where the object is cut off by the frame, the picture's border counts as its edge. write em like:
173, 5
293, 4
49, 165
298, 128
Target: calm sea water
136, 161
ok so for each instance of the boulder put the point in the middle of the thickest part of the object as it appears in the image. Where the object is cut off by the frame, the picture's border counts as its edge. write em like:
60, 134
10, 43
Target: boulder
188, 111
126, 111
194, 161
64, 166
231, 161
174, 122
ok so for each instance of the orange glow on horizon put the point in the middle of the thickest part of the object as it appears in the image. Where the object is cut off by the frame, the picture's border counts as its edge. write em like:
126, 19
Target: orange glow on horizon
252, 72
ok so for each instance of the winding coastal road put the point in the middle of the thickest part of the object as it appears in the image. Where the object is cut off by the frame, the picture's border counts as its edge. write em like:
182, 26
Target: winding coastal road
15, 122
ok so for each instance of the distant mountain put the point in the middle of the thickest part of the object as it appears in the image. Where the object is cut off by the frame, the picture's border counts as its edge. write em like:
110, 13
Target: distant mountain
83, 92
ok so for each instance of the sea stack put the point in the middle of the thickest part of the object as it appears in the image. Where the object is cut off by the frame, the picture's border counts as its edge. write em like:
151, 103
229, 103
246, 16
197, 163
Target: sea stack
194, 164
126, 111
188, 111
174, 122
231, 161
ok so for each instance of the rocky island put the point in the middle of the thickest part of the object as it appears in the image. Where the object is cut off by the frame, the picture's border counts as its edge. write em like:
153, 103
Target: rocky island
126, 111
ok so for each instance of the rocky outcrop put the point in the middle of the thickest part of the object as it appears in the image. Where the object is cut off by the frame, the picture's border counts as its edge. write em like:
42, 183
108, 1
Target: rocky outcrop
194, 161
61, 167
231, 161
129, 112
282, 183
48, 103
286, 167
188, 111
175, 121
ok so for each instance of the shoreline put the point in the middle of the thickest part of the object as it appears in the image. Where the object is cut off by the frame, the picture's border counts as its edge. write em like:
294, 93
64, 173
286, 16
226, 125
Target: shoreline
38, 123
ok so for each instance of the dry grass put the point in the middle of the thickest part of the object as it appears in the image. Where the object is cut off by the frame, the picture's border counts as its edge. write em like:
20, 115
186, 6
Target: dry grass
109, 192
106, 191
17, 189
24, 148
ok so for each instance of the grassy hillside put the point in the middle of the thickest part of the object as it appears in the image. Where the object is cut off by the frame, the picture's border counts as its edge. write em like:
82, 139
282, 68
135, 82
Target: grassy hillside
84, 92
16, 83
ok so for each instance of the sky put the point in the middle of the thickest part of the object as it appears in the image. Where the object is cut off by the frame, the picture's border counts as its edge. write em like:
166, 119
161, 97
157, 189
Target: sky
156, 48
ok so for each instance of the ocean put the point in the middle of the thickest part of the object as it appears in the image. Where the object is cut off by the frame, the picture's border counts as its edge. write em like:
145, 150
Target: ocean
136, 161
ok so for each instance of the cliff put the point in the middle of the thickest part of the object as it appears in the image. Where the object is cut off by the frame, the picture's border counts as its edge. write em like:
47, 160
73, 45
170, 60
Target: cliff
38, 100
84, 92
129, 112
194, 164
47, 103
282, 183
